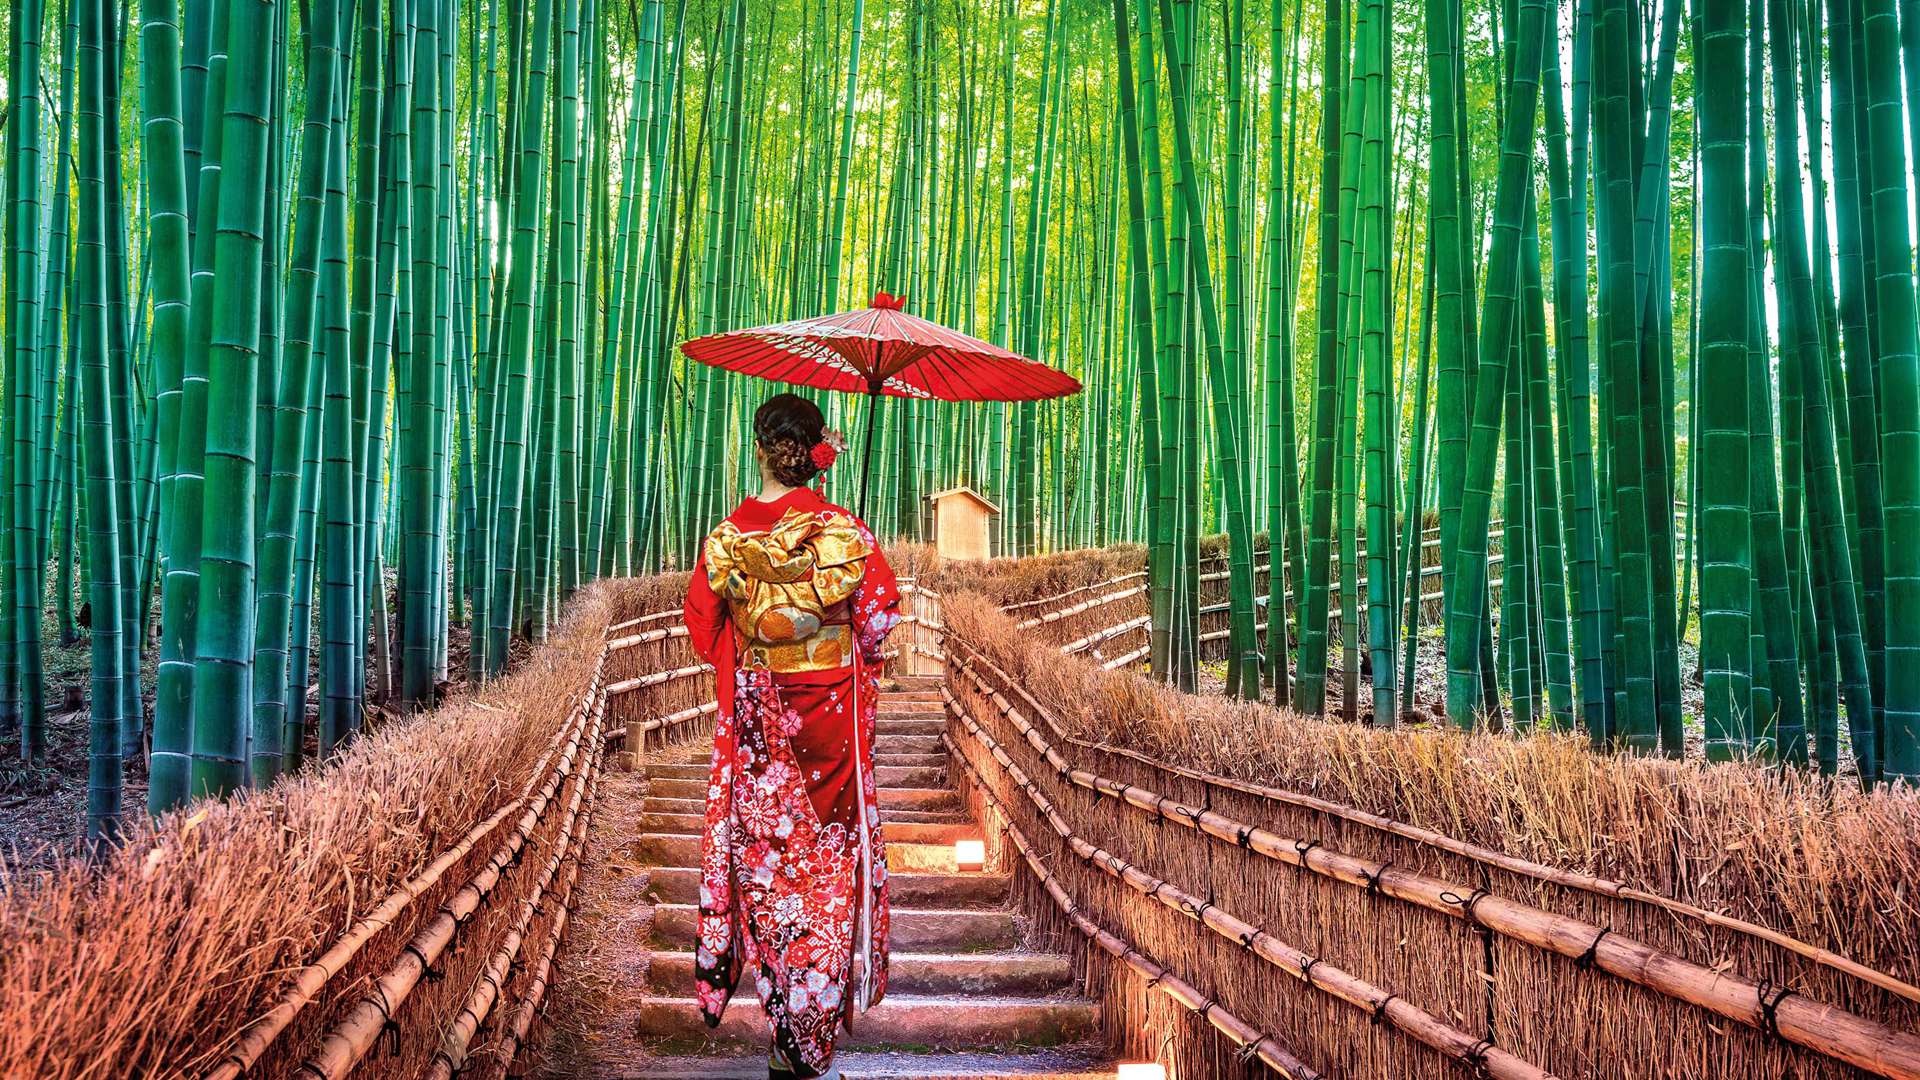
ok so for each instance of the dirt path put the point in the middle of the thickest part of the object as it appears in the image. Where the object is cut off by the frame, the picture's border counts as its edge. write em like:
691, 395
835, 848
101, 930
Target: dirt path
602, 969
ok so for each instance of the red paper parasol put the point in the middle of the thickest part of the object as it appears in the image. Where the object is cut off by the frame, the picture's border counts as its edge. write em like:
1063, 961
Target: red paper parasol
881, 350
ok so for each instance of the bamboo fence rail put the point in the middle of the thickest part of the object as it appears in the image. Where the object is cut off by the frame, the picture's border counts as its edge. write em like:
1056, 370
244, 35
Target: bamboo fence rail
1314, 971
1533, 953
374, 1012
1252, 1042
446, 911
453, 1055
1834, 1032
260, 1035
1589, 883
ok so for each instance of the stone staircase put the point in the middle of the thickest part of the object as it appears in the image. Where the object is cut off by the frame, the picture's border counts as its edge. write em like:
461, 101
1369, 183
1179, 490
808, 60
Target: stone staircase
964, 998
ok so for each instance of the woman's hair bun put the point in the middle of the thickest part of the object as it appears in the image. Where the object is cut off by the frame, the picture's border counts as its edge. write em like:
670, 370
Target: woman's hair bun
787, 427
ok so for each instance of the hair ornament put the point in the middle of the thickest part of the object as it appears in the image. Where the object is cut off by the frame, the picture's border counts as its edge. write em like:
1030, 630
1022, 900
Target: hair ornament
826, 451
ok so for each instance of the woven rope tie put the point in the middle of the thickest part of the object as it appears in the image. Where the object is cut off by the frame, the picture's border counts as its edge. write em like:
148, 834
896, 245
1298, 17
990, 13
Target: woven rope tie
1586, 960
1477, 1056
1467, 905
1373, 879
426, 966
1771, 996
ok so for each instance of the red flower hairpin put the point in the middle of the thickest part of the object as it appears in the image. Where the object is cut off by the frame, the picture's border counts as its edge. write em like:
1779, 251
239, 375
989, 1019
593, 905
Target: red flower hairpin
827, 450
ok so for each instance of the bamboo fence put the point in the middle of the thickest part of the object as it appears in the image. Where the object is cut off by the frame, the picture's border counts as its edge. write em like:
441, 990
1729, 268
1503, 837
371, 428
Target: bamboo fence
387, 914
1409, 953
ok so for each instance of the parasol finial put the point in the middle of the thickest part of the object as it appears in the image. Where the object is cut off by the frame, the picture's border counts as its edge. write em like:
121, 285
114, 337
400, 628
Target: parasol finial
886, 301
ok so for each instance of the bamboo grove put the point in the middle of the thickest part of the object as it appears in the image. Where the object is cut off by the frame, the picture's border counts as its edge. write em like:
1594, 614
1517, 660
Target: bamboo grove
1570, 348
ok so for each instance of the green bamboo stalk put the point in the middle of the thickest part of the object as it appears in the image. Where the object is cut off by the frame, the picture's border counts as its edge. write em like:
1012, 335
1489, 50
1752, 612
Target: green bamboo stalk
1466, 613
103, 526
223, 660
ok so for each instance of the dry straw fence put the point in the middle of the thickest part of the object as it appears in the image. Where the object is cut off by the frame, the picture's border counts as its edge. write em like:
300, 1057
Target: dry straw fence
394, 914
1339, 901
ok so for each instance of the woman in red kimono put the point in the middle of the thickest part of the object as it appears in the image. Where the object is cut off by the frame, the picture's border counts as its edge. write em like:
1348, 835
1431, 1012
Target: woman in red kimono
790, 601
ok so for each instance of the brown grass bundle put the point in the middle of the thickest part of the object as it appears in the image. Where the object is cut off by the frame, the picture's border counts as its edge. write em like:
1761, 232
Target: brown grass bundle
150, 963
1014, 580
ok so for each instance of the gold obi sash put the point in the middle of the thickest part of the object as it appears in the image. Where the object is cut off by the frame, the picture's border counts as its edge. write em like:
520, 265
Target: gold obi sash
788, 589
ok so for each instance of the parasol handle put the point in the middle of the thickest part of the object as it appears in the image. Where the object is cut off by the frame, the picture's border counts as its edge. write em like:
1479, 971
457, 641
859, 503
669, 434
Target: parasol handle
873, 422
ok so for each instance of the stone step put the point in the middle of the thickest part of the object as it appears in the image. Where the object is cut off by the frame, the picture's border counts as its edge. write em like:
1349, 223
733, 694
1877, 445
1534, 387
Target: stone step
900, 710
905, 1020
1089, 1062
910, 699
884, 757
911, 776
892, 742
888, 748
910, 683
909, 889
935, 796
912, 929
888, 814
683, 849
909, 725
997, 973
676, 770
904, 832
884, 775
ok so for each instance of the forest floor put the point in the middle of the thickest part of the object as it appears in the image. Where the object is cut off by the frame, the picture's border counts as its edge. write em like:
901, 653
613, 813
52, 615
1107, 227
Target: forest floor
43, 807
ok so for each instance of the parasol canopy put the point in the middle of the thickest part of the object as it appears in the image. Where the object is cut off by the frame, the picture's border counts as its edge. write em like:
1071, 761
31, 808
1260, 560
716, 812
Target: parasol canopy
880, 349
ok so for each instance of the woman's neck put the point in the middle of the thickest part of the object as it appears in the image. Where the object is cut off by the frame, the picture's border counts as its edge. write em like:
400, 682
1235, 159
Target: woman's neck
773, 490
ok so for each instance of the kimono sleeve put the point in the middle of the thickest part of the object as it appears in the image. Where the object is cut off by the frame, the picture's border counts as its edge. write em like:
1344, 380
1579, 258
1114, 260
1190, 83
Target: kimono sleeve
705, 614
876, 605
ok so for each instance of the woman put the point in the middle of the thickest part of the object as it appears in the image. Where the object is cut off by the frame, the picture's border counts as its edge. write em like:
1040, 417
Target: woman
790, 601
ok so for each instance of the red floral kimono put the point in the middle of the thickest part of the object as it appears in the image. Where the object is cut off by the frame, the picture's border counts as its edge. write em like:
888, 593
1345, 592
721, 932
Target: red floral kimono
790, 602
